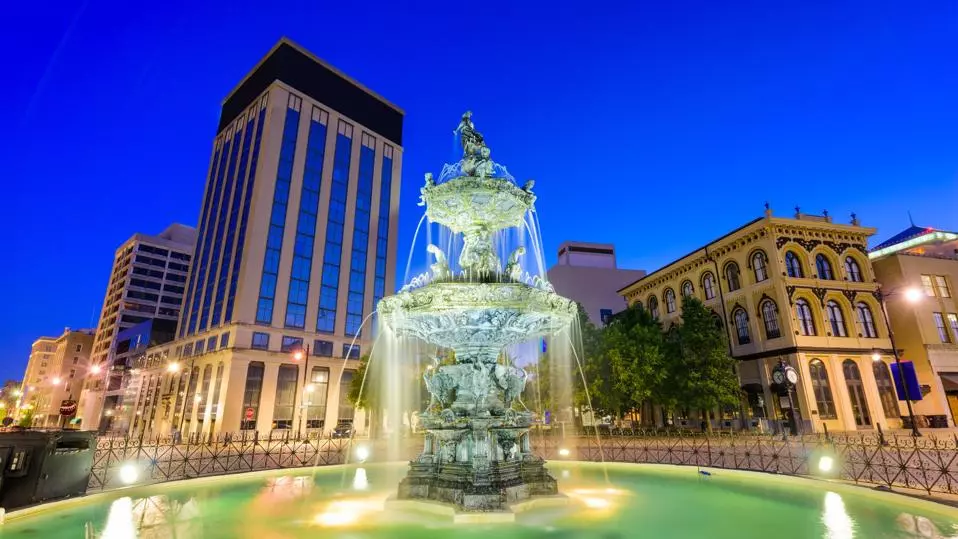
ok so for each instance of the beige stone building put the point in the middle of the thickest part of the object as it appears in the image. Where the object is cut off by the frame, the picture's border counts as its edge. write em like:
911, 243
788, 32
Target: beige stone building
800, 290
297, 243
926, 329
55, 374
147, 282
588, 273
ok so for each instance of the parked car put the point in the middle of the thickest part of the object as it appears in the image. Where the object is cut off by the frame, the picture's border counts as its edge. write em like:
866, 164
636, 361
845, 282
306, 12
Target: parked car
343, 430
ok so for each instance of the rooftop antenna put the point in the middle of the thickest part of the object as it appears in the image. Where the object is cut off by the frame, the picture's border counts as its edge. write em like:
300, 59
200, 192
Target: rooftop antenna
910, 220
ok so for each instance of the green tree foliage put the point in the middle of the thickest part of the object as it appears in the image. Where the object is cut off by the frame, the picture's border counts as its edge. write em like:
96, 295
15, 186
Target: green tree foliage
635, 350
701, 373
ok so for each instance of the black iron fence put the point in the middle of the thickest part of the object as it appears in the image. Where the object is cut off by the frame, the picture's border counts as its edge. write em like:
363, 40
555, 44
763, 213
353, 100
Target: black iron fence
928, 464
120, 461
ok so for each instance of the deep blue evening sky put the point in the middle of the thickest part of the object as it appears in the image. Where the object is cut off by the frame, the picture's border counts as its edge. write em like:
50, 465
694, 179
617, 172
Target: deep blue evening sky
656, 127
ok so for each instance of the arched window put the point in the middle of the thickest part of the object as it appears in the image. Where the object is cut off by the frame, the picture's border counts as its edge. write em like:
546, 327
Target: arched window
638, 304
732, 274
793, 266
708, 284
822, 390
806, 324
718, 321
687, 289
770, 317
886, 390
669, 300
824, 267
741, 326
759, 266
852, 270
836, 319
865, 320
654, 307
856, 393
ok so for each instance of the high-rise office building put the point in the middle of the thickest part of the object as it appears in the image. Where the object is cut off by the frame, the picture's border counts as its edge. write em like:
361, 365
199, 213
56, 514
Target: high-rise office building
54, 374
297, 243
147, 282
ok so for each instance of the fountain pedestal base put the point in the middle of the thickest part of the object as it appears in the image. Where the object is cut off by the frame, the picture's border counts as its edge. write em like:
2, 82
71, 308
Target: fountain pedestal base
495, 487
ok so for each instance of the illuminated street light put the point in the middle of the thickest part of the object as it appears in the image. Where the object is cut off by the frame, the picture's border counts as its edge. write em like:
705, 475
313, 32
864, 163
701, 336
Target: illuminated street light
96, 369
173, 367
56, 380
913, 295
876, 357
198, 398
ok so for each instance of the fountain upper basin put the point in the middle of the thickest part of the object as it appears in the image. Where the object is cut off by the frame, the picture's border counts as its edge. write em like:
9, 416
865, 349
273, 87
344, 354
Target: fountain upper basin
483, 315
466, 203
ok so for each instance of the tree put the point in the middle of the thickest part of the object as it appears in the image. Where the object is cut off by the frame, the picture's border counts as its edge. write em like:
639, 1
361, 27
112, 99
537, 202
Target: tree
635, 348
701, 372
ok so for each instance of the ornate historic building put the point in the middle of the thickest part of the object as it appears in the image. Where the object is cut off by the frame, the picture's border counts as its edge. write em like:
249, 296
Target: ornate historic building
926, 329
799, 290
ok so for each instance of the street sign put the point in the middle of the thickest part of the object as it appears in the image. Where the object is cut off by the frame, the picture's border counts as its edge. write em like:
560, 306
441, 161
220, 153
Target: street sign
249, 414
68, 407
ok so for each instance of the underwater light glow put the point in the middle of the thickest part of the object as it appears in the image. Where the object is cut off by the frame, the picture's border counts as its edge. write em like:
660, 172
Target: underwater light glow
362, 453
825, 464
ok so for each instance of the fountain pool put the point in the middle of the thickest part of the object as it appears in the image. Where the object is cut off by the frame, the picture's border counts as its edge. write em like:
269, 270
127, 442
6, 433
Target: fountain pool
349, 501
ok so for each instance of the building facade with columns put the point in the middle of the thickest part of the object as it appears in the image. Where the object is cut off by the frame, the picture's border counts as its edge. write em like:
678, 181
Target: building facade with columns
799, 290
926, 329
297, 243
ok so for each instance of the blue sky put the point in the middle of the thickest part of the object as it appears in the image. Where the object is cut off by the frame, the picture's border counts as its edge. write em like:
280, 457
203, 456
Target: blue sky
652, 125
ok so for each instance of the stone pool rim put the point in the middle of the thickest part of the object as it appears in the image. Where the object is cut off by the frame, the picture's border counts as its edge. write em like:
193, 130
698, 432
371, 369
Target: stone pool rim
941, 505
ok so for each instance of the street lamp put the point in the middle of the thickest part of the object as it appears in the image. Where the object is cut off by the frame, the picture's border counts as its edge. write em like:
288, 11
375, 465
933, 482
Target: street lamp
173, 367
303, 355
912, 295
96, 369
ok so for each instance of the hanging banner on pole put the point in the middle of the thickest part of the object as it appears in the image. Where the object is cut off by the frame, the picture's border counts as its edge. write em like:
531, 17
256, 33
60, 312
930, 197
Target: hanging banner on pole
914, 388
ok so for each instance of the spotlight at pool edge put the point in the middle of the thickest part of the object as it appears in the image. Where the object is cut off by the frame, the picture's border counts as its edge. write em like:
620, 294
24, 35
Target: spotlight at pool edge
362, 453
129, 474
563, 452
825, 464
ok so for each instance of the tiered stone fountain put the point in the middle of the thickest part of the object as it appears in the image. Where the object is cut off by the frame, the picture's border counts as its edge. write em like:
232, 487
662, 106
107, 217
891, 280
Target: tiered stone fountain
477, 453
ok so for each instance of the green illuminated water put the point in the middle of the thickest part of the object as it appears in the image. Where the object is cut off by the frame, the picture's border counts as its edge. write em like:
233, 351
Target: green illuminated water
639, 502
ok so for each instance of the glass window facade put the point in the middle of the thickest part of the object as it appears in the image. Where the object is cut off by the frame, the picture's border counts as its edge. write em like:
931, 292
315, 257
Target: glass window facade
316, 395
205, 236
285, 396
351, 352
241, 234
357, 265
382, 229
241, 182
306, 222
251, 395
322, 348
336, 219
290, 343
224, 339
229, 188
277, 221
345, 408
260, 341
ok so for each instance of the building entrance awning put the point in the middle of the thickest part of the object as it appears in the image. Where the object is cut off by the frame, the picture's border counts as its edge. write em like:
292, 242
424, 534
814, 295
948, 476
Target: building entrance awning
949, 381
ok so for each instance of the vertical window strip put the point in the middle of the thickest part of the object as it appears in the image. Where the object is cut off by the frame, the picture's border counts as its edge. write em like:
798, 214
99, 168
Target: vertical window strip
382, 230
336, 219
277, 221
241, 238
207, 237
229, 191
306, 222
238, 191
203, 225
357, 266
